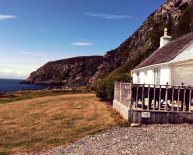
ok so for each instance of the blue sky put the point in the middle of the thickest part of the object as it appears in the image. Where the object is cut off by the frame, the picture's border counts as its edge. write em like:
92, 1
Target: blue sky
33, 32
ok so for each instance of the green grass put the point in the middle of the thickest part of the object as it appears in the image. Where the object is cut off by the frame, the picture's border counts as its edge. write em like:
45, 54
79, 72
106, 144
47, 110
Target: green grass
30, 94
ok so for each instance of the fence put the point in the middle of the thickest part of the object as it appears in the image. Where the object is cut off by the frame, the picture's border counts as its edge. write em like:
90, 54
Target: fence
154, 104
154, 97
123, 93
162, 97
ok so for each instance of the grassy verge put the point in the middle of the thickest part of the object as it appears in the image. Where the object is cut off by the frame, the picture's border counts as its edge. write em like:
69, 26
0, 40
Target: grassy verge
30, 94
46, 122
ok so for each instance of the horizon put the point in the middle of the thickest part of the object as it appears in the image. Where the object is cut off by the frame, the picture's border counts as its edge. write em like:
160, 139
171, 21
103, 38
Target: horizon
35, 32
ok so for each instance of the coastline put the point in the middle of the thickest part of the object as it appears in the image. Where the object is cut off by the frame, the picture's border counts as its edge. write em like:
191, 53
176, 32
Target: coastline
13, 85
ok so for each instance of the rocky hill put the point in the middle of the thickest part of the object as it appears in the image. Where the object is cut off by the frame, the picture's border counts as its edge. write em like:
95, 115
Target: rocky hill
176, 15
72, 72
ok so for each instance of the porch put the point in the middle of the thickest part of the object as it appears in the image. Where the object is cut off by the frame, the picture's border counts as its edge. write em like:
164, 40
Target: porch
154, 104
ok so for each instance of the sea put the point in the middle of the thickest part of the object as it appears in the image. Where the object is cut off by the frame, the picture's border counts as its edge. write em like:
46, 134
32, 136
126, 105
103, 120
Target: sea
12, 85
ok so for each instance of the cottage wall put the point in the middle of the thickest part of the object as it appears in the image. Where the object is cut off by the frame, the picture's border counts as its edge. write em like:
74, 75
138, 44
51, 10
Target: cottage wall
134, 75
148, 75
165, 75
187, 54
142, 76
182, 73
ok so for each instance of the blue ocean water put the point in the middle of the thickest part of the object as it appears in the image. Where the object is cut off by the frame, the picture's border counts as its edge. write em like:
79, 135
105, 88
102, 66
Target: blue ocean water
11, 85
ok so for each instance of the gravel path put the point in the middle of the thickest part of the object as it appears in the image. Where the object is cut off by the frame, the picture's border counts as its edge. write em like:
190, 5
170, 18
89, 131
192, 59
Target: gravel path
145, 140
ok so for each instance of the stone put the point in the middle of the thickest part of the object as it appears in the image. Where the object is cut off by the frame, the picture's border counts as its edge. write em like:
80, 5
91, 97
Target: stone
135, 125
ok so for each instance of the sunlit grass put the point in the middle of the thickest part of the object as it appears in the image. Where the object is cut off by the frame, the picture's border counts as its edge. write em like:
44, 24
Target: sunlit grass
41, 123
30, 94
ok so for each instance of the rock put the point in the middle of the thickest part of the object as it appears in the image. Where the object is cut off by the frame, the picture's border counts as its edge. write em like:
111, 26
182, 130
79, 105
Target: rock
73, 72
135, 125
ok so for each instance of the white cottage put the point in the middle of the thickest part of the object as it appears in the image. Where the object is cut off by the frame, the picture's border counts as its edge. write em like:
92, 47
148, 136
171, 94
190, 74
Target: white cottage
172, 63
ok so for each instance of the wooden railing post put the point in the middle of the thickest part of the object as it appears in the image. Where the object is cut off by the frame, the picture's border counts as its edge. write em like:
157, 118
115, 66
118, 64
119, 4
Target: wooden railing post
178, 98
148, 97
154, 99
184, 100
137, 94
190, 99
131, 96
166, 98
143, 96
120, 93
173, 98
160, 91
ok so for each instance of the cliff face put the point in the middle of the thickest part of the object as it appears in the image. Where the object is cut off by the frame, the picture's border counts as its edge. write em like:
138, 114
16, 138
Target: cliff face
176, 15
73, 72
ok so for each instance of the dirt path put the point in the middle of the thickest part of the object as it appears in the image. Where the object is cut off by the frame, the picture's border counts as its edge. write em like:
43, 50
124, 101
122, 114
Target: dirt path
146, 140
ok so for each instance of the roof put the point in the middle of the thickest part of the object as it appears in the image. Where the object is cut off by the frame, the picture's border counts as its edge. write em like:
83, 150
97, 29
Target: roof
167, 52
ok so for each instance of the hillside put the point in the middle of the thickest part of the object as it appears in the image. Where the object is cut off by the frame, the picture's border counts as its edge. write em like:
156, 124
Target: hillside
176, 15
72, 72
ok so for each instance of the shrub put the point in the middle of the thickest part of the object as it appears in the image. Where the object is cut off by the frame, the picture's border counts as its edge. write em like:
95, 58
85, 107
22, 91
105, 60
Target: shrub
105, 87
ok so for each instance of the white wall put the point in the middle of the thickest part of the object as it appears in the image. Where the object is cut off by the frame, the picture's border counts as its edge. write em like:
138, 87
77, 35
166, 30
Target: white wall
147, 75
182, 73
150, 77
185, 55
165, 75
135, 78
142, 77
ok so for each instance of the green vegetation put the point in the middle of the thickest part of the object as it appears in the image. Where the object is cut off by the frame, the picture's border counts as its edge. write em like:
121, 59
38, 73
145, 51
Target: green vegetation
105, 87
41, 123
30, 94
185, 24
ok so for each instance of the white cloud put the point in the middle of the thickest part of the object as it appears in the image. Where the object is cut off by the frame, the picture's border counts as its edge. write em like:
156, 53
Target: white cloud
8, 74
81, 43
6, 17
107, 16
23, 62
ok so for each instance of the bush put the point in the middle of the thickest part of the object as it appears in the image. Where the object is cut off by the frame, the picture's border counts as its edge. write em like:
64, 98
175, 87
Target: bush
105, 87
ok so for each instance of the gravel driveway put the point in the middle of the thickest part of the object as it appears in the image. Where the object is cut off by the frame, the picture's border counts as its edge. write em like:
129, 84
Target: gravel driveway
144, 140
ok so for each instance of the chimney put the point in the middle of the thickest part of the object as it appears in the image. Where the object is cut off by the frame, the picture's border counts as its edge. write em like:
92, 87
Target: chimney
165, 39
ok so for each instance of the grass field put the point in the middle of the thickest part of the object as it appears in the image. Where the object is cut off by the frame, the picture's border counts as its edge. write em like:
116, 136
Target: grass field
44, 122
30, 94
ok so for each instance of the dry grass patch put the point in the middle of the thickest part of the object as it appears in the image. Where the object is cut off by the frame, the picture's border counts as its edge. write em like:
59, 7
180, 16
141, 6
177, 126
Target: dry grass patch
30, 94
41, 123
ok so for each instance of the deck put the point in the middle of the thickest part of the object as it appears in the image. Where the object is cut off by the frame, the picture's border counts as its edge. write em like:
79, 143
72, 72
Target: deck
154, 104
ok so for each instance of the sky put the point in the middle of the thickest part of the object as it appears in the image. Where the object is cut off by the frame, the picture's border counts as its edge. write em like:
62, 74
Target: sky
33, 32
